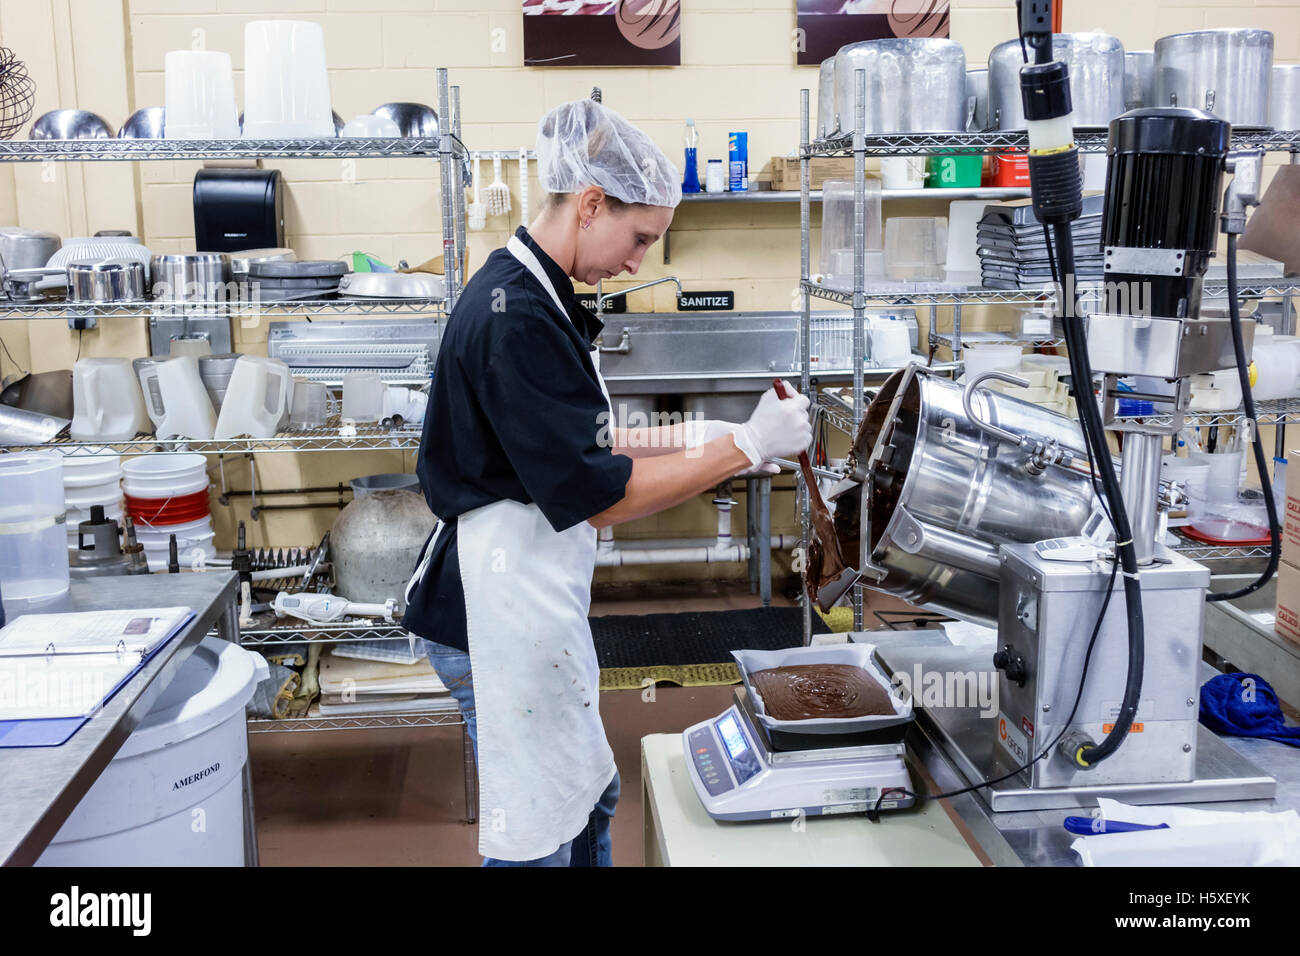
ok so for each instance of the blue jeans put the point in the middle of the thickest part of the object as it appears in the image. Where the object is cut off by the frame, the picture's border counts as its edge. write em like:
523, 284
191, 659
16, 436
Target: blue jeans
591, 847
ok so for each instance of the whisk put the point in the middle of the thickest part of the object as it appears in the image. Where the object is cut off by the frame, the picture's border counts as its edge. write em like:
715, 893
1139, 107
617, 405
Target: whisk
498, 194
477, 210
17, 94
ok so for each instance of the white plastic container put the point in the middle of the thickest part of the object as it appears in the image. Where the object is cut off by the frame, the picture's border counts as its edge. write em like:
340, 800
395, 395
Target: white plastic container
286, 84
891, 343
85, 471
963, 261
164, 476
980, 358
178, 404
199, 95
915, 247
106, 400
837, 232
33, 545
193, 539
363, 396
1194, 475
173, 794
257, 397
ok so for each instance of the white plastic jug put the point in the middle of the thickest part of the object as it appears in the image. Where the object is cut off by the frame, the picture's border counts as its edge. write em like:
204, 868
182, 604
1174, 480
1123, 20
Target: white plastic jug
256, 398
177, 402
106, 400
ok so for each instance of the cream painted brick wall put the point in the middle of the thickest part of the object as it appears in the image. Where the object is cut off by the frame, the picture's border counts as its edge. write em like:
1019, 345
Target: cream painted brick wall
737, 73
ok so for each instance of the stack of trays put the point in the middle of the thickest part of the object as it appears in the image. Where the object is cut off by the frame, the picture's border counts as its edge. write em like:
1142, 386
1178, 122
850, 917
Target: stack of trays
1013, 248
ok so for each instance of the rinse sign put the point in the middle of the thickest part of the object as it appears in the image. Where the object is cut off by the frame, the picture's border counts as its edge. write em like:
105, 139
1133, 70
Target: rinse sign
706, 301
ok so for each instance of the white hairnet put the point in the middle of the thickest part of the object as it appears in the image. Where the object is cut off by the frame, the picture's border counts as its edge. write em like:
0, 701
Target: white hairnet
584, 143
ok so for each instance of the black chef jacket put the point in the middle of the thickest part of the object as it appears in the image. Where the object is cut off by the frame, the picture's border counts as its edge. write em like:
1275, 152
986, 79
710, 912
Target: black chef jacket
515, 412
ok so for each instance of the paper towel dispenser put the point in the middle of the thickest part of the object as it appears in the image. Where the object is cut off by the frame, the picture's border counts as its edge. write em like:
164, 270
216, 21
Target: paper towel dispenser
238, 209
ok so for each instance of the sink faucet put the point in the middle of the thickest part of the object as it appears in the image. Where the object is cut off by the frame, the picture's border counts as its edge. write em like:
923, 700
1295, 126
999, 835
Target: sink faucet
601, 298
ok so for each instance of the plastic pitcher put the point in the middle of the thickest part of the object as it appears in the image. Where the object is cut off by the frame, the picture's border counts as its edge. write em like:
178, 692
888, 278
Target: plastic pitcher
256, 398
177, 402
33, 540
106, 400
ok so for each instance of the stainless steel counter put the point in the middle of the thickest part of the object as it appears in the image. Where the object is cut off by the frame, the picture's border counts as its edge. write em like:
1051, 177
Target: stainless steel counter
41, 786
1038, 837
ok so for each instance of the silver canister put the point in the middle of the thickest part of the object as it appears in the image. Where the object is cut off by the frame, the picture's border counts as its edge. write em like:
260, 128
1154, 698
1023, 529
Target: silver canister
1224, 72
944, 494
215, 371
191, 277
914, 85
25, 248
1284, 97
1096, 62
1139, 77
103, 281
977, 100
826, 124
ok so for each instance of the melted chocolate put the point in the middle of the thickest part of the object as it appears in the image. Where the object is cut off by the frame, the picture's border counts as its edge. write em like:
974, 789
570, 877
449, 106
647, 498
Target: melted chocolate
806, 691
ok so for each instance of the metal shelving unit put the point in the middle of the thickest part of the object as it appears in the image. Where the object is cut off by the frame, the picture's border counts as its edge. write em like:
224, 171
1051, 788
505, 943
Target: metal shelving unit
332, 436
450, 153
137, 150
1088, 139
860, 146
793, 195
312, 308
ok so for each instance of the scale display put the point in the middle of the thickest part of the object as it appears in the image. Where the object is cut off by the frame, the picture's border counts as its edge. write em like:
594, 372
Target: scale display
738, 777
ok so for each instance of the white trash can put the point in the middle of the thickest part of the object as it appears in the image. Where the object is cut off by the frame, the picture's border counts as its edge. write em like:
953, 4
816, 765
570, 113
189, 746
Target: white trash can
173, 794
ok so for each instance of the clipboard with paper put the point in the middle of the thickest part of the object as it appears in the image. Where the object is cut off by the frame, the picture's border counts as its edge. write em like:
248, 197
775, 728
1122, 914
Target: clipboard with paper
58, 670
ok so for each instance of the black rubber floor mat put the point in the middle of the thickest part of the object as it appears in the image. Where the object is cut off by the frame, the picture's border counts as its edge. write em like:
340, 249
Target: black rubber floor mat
695, 637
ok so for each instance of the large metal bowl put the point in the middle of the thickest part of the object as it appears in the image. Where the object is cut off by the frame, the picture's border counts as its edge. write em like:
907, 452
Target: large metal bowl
391, 285
71, 124
1096, 62
414, 120
1224, 72
914, 85
145, 123
101, 281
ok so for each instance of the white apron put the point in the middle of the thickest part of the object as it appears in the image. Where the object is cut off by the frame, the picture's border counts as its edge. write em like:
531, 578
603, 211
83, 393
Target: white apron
543, 757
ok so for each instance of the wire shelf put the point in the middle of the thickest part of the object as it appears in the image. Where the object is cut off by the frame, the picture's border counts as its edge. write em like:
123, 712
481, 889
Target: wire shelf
1282, 411
981, 296
431, 718
1199, 551
1088, 140
948, 339
331, 436
240, 310
300, 632
80, 150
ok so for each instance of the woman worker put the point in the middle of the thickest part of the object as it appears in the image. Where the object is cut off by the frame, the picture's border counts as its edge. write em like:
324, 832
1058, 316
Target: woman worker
520, 463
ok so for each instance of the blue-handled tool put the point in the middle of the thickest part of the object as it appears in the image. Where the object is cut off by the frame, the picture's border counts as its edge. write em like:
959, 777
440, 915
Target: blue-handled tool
1092, 826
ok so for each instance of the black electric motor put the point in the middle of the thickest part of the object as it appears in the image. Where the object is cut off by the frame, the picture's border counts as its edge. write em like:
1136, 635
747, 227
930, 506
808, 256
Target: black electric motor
1164, 182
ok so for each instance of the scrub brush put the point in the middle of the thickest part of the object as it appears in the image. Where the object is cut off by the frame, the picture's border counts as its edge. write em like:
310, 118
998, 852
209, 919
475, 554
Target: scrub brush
498, 194
477, 210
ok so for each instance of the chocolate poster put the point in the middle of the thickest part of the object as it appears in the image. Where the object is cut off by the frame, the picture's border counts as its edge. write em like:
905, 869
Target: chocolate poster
602, 32
826, 25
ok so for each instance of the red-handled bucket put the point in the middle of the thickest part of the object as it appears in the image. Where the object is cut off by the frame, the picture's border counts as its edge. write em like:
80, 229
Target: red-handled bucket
178, 509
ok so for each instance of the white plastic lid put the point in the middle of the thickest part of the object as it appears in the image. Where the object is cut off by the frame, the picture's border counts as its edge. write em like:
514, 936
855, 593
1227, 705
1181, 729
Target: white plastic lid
214, 683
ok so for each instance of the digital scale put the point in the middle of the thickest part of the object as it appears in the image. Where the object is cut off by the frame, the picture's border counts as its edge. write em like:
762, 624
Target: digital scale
743, 771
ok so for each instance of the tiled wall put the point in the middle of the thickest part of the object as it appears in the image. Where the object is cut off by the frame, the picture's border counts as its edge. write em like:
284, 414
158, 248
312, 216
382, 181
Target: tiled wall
737, 73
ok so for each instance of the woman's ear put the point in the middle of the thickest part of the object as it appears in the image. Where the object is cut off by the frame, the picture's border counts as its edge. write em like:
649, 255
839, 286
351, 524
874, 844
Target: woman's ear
591, 202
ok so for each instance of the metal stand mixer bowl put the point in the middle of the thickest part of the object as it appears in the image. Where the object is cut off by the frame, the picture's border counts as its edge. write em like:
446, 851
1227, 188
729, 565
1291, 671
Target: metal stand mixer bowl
943, 494
375, 543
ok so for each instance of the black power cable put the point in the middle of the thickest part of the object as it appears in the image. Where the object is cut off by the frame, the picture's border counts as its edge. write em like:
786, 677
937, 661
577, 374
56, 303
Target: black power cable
1238, 346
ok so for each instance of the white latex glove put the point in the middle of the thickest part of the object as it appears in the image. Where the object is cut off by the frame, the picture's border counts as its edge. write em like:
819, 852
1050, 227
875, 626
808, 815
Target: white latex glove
699, 432
779, 428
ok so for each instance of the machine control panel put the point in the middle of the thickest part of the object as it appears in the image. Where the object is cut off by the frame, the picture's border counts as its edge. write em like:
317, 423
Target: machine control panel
723, 754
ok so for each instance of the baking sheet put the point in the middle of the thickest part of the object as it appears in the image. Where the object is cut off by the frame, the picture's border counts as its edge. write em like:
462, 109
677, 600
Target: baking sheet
861, 655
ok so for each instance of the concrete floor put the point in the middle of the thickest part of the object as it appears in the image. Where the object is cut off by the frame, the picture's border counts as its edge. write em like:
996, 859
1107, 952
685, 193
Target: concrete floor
396, 797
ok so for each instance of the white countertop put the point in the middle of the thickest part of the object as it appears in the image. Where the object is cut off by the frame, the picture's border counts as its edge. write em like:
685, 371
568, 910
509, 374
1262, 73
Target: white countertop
680, 833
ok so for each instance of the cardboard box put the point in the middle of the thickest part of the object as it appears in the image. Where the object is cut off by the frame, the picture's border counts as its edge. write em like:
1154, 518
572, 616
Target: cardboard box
1290, 511
786, 171
1287, 622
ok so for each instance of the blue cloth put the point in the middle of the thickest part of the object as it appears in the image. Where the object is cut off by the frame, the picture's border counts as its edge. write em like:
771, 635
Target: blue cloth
1245, 705
591, 847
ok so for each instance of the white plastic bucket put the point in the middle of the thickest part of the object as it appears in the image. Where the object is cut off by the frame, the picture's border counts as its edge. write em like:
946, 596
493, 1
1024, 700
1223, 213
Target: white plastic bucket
173, 794
86, 471
83, 499
191, 536
164, 476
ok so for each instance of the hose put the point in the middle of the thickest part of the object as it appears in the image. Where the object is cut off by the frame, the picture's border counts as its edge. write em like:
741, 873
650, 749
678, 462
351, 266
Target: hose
1243, 373
1095, 436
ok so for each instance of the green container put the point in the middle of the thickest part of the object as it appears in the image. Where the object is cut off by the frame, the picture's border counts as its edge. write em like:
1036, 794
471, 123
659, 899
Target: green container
956, 171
